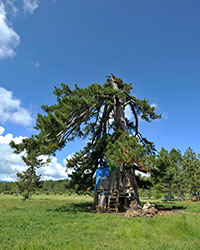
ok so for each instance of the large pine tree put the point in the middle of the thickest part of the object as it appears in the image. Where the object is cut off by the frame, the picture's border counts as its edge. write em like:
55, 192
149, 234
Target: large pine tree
96, 113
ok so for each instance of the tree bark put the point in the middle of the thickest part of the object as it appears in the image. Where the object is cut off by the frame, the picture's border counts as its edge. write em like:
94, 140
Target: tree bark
169, 195
120, 120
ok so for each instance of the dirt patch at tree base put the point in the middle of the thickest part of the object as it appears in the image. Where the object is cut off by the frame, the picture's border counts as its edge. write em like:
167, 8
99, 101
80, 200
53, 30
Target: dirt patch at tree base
160, 213
148, 210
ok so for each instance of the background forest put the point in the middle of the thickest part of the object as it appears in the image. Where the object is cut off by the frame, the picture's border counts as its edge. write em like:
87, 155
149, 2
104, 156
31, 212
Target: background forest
175, 176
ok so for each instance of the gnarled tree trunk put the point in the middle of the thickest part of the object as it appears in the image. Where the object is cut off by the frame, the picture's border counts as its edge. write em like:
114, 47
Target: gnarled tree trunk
121, 124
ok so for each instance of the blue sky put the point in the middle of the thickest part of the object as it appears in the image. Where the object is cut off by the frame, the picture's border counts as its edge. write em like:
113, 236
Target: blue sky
153, 44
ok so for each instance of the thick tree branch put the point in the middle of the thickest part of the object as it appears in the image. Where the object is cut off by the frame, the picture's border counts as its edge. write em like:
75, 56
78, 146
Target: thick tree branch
136, 117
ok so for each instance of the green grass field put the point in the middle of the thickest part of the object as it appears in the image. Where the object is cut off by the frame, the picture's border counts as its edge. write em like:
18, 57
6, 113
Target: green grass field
62, 222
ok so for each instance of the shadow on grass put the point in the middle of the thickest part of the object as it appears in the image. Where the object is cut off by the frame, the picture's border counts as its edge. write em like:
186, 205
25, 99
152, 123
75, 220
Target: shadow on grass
86, 207
73, 207
169, 207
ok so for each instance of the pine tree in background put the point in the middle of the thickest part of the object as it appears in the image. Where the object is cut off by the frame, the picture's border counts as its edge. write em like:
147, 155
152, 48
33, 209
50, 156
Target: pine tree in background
191, 165
176, 175
163, 174
98, 114
179, 182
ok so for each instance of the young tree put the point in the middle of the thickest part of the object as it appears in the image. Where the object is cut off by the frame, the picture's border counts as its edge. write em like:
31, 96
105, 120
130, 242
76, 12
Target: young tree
27, 182
96, 113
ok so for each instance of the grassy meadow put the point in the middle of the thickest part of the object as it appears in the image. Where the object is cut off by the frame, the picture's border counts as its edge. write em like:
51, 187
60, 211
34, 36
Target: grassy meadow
63, 222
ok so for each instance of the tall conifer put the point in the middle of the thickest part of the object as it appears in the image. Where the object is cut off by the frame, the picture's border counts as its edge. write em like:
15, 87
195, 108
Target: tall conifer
97, 113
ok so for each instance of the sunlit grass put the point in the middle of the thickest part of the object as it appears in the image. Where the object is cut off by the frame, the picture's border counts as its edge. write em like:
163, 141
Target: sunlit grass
63, 222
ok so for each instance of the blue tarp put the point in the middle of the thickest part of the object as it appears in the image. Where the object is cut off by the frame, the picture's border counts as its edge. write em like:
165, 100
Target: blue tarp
100, 173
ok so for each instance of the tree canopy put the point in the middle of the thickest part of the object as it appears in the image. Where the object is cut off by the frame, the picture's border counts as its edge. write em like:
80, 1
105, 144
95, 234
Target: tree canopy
98, 114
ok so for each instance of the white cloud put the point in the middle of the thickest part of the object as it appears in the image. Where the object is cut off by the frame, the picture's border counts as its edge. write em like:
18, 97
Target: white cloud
2, 129
11, 163
11, 110
128, 112
30, 5
9, 39
69, 171
6, 178
53, 171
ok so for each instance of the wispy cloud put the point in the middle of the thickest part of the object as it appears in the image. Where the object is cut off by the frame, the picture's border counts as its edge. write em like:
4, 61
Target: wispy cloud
129, 113
12, 7
30, 5
165, 115
9, 39
36, 64
11, 109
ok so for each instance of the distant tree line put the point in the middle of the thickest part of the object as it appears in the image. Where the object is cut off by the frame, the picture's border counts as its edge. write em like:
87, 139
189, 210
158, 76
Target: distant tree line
173, 176
55, 187
7, 187
42, 187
